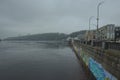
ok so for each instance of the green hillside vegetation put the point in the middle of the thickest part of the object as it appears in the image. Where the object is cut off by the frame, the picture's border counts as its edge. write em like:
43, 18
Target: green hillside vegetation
41, 37
47, 36
75, 34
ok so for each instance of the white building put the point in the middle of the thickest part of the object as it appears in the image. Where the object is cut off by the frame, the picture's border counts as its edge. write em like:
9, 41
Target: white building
107, 32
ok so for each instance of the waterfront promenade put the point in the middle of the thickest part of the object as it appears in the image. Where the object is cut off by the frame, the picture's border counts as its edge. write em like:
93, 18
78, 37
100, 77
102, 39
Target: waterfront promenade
100, 61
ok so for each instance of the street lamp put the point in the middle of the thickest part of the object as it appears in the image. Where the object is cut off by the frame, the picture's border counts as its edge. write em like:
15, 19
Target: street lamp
98, 6
90, 21
94, 25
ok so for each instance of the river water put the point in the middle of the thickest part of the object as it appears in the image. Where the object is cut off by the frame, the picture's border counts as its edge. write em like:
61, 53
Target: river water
30, 60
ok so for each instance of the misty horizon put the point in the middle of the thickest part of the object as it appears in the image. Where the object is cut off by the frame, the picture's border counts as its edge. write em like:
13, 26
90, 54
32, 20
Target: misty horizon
18, 18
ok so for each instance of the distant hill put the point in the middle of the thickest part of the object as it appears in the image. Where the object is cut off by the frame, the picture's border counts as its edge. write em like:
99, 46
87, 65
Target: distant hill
47, 36
40, 37
75, 34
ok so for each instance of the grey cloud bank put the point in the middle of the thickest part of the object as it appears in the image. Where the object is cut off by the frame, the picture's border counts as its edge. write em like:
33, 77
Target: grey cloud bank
20, 17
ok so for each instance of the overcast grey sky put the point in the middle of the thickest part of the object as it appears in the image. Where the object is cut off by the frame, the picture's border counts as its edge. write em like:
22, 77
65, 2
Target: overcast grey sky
21, 17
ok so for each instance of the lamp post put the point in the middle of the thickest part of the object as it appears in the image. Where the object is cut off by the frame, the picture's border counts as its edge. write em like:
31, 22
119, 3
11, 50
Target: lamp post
98, 6
94, 25
89, 32
90, 22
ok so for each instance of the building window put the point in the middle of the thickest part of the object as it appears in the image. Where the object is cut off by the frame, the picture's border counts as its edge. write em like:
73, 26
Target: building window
116, 29
117, 34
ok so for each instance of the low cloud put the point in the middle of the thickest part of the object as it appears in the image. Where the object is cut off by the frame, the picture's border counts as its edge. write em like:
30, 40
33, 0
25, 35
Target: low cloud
41, 16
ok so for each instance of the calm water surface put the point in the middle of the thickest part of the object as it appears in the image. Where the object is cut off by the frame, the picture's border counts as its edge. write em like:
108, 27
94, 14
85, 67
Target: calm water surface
38, 61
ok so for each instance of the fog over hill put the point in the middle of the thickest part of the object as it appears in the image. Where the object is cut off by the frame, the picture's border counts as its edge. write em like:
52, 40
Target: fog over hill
46, 36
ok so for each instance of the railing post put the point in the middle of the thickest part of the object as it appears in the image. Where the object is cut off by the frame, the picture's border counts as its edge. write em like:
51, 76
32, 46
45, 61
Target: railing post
105, 45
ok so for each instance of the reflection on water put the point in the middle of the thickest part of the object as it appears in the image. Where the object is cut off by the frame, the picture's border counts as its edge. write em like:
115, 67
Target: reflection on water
42, 44
31, 60
54, 44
